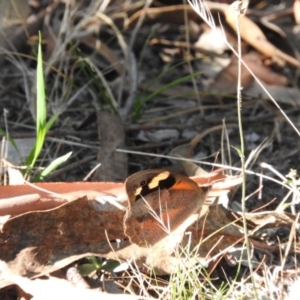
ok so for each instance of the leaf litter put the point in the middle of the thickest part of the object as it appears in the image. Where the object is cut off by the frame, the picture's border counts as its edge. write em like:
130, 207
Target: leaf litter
35, 242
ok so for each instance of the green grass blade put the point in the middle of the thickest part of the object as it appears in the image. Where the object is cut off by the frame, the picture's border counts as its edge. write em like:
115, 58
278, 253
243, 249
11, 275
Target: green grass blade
41, 96
40, 109
52, 166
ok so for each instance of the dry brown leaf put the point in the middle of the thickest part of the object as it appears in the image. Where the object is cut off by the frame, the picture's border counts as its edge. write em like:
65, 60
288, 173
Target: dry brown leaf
189, 168
111, 135
226, 80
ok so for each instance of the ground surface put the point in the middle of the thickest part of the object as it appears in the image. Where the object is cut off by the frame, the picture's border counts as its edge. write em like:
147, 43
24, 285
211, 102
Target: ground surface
166, 90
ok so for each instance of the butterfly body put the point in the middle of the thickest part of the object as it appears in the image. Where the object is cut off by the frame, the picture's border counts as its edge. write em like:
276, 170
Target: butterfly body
159, 201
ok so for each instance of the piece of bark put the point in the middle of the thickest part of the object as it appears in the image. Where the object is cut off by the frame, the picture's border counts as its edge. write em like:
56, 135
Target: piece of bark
38, 243
41, 242
42, 196
46, 195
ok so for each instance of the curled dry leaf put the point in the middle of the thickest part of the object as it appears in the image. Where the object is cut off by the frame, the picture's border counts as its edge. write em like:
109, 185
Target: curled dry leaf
111, 135
226, 80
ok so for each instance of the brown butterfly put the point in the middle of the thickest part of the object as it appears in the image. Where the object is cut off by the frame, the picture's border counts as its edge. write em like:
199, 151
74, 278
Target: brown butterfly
159, 201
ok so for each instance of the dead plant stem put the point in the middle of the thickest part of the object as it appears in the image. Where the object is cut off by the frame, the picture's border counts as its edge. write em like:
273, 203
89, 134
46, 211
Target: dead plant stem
242, 149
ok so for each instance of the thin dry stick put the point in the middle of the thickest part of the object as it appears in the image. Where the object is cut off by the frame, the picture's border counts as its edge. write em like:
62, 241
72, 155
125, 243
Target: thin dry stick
238, 10
225, 133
